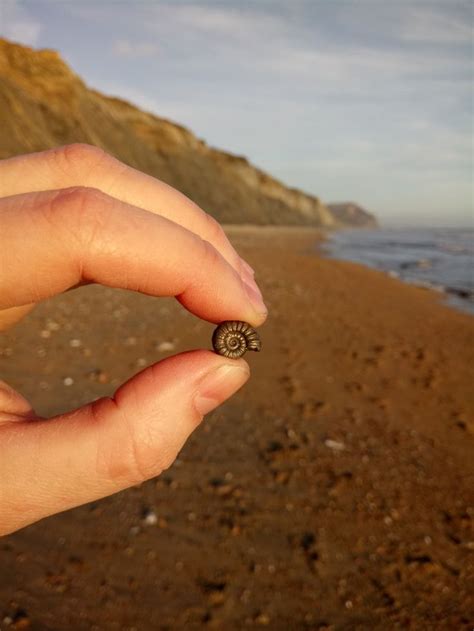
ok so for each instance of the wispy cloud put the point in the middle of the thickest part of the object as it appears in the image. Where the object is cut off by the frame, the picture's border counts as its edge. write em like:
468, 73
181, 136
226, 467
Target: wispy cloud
366, 41
436, 26
17, 24
127, 48
346, 53
358, 64
225, 20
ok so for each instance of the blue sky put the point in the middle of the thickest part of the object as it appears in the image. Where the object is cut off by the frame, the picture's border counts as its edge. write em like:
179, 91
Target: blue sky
358, 100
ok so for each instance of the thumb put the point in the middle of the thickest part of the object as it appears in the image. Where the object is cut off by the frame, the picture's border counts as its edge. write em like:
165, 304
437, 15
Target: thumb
47, 466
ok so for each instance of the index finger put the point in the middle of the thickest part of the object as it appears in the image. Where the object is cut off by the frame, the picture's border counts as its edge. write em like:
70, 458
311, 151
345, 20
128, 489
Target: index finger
85, 165
52, 240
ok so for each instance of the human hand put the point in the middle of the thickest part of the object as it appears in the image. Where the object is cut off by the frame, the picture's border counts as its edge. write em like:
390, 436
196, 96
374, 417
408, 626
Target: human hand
75, 215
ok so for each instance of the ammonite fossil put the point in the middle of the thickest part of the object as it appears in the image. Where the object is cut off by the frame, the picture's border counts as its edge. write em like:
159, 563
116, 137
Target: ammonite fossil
233, 338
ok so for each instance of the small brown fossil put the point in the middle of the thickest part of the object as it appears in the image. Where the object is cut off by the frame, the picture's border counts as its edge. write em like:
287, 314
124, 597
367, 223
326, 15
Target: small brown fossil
233, 338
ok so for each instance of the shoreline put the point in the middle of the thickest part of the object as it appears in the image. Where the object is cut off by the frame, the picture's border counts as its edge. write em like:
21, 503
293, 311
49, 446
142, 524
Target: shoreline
452, 297
460, 299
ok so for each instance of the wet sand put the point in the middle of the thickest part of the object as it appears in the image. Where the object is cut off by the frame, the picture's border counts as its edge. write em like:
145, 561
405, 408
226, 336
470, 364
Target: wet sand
335, 491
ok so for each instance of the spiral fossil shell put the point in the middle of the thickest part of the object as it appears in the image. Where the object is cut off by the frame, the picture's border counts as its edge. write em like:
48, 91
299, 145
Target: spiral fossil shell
233, 338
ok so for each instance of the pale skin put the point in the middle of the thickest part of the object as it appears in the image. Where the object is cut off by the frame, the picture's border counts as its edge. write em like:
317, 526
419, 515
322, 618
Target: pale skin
73, 216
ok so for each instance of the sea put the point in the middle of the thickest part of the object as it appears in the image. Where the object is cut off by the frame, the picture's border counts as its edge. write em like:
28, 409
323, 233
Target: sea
439, 258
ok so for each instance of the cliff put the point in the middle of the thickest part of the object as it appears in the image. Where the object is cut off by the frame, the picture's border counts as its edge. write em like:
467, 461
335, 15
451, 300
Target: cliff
351, 215
43, 104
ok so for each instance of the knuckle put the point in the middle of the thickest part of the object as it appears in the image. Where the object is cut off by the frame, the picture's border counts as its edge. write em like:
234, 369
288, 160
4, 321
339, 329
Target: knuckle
78, 209
74, 200
77, 158
142, 455
148, 454
139, 466
210, 257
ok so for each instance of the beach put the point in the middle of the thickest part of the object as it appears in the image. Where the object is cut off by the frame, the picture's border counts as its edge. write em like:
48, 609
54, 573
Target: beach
335, 491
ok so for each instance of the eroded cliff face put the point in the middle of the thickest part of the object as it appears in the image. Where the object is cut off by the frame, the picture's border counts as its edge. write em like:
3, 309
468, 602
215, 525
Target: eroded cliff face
44, 104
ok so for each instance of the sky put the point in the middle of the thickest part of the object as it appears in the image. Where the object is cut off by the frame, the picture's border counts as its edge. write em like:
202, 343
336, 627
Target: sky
362, 100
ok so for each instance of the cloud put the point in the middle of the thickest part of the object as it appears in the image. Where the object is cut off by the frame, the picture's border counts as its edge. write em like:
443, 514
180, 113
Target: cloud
229, 21
355, 70
428, 25
17, 24
127, 48
173, 16
338, 49
333, 51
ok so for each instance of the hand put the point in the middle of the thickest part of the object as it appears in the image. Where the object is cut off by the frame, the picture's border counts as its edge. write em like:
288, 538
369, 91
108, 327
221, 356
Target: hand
75, 215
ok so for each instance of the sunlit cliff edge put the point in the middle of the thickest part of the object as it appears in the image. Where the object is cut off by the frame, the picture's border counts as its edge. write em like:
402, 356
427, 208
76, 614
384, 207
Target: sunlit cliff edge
43, 104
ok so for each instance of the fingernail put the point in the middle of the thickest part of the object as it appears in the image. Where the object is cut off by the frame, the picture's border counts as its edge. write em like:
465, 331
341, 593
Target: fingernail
246, 272
247, 276
219, 385
247, 268
255, 296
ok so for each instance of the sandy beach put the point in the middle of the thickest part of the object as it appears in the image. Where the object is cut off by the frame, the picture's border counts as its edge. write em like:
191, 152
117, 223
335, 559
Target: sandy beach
335, 491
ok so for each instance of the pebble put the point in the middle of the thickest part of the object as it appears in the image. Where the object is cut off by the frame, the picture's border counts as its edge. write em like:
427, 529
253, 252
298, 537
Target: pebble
165, 347
99, 375
68, 381
102, 376
335, 445
150, 518
75, 343
263, 619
